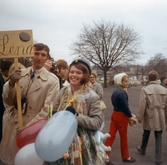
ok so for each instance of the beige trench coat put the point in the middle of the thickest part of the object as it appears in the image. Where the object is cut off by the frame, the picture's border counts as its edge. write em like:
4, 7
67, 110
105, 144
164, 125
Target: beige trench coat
153, 107
41, 94
92, 117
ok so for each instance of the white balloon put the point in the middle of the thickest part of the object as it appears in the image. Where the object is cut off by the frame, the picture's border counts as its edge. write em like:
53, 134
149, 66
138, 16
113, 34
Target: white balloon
99, 140
27, 156
100, 136
56, 136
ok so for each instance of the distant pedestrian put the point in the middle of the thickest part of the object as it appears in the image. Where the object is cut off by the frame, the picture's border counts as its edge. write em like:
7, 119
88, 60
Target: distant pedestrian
119, 117
152, 113
111, 82
96, 86
164, 81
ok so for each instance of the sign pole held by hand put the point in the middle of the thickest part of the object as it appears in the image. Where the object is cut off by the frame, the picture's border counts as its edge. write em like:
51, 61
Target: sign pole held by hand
16, 44
18, 96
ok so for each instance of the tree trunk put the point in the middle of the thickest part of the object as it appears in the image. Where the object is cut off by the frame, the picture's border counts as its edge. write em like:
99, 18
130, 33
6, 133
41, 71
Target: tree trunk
105, 79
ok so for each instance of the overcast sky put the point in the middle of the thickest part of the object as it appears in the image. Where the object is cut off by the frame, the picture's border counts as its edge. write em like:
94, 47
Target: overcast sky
57, 23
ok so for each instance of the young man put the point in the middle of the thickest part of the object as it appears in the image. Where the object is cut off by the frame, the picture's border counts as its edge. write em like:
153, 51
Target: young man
39, 89
62, 67
153, 114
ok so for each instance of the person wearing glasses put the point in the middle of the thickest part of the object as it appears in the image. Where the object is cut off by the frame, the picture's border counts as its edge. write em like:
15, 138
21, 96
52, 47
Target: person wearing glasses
96, 86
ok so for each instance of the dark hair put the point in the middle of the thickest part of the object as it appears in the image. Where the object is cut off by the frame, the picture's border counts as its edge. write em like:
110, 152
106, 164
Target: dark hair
163, 78
152, 75
84, 69
5, 65
41, 46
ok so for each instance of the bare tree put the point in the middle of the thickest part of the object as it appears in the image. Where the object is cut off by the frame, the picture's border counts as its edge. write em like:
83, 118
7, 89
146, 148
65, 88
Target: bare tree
143, 70
107, 45
137, 71
158, 63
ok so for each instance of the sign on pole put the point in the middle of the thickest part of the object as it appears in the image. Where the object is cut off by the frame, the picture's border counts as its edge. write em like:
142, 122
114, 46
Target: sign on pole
16, 44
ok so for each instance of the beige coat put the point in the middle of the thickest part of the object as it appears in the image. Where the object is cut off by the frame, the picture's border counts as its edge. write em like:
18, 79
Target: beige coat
97, 87
41, 93
90, 113
87, 103
153, 107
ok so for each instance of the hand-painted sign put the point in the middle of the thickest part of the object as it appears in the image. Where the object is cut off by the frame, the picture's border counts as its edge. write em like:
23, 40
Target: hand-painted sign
15, 44
18, 43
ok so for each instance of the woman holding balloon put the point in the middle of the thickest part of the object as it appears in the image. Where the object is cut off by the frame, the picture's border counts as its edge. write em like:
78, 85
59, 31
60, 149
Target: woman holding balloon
84, 103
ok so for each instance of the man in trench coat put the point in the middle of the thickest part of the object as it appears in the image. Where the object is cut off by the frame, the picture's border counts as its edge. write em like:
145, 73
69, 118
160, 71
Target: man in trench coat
153, 114
39, 90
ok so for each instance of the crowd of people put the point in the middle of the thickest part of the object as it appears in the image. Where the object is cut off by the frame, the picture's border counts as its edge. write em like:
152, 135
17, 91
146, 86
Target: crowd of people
74, 87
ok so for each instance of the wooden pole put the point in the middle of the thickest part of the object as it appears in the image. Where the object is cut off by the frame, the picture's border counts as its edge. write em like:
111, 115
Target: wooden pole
15, 44
18, 95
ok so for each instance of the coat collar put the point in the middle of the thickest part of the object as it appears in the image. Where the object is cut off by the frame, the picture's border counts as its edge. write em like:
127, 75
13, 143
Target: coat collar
42, 73
37, 84
150, 88
153, 82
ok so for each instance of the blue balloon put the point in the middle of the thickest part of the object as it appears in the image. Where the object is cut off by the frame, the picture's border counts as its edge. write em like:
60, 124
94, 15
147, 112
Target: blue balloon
56, 136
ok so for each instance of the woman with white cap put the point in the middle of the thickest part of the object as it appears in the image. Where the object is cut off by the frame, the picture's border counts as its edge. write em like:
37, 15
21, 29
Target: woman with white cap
120, 116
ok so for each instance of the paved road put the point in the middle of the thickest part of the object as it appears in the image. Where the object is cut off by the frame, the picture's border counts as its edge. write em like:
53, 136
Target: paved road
134, 133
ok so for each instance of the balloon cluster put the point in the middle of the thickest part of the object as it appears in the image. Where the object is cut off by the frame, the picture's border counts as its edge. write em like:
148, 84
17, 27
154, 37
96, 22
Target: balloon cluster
29, 134
46, 139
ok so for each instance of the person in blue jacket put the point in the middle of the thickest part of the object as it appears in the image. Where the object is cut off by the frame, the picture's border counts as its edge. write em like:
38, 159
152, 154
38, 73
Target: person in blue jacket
120, 116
